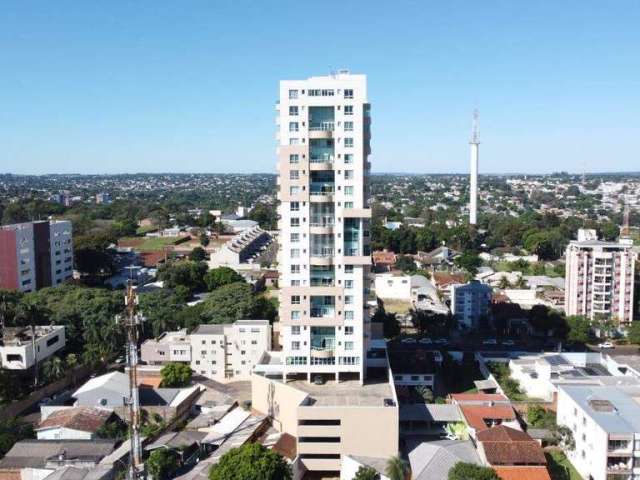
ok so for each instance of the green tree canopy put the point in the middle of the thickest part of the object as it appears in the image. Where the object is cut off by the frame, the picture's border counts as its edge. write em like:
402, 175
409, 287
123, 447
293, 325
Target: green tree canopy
218, 277
175, 375
188, 274
579, 329
197, 254
633, 333
233, 302
161, 463
468, 261
471, 471
406, 263
366, 473
251, 461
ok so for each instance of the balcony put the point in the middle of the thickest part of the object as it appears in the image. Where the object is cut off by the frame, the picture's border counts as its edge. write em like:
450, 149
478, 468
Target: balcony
321, 130
323, 311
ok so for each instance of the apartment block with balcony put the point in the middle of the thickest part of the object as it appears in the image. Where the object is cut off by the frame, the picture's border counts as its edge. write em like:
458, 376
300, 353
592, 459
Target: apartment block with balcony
318, 387
605, 423
21, 347
35, 255
599, 280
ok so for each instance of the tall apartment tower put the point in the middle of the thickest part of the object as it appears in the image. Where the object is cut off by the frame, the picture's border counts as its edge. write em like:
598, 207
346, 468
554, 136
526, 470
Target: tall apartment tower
324, 257
473, 171
35, 255
599, 278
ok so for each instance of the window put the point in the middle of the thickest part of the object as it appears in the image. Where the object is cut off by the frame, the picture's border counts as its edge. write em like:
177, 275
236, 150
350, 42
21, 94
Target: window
294, 190
295, 283
295, 299
295, 237
295, 253
295, 330
348, 299
294, 206
293, 94
294, 141
348, 284
348, 330
348, 109
348, 126
348, 204
348, 174
348, 158
293, 111
53, 340
348, 345
348, 269
295, 268
295, 222
294, 175
349, 315
295, 345
348, 142
348, 190
348, 93
294, 158
321, 93
293, 126
295, 315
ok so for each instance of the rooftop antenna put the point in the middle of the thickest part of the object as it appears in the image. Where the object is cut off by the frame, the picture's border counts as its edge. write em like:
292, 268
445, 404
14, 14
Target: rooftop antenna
625, 231
131, 321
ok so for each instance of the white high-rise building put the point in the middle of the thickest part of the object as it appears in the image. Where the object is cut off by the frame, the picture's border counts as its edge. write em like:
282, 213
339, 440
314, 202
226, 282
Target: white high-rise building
599, 278
324, 257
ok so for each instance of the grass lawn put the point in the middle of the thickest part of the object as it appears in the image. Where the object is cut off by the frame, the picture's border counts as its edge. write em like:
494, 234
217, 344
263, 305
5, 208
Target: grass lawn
146, 229
560, 467
148, 244
396, 306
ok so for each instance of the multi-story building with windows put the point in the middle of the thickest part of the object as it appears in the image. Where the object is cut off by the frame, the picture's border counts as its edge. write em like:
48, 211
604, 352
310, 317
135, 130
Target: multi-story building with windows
318, 387
35, 255
599, 279
23, 347
470, 303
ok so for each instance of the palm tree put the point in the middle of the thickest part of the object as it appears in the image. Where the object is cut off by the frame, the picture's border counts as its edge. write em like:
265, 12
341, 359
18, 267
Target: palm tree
396, 468
53, 369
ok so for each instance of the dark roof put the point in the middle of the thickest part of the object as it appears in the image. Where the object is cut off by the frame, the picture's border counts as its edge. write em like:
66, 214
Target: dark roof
502, 433
36, 453
412, 361
506, 446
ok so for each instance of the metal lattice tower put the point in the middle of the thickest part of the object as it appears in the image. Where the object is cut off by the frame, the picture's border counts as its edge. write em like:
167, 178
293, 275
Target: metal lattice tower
131, 321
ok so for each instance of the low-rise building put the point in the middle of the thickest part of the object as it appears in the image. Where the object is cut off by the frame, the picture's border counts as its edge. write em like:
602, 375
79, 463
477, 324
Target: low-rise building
470, 303
605, 425
168, 347
72, 423
242, 248
482, 411
22, 347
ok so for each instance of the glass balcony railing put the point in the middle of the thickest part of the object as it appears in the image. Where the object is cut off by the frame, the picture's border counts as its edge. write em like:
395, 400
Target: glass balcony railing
321, 157
322, 312
321, 126
322, 189
322, 252
322, 221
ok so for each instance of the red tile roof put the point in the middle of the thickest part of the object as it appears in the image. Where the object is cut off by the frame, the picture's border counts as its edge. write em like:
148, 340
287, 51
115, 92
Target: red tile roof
444, 279
506, 446
502, 433
384, 257
480, 417
523, 473
479, 397
85, 419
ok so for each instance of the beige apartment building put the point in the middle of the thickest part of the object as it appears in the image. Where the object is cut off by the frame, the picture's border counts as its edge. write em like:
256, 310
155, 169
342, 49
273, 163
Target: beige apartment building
225, 352
319, 386
599, 278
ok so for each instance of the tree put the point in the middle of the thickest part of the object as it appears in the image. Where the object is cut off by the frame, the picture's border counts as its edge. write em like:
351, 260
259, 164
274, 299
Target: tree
471, 471
425, 393
457, 431
406, 263
366, 473
396, 468
217, 277
230, 303
579, 329
14, 213
197, 254
633, 332
175, 375
266, 215
52, 369
161, 309
539, 417
11, 431
251, 461
204, 239
469, 261
161, 463
188, 274
504, 283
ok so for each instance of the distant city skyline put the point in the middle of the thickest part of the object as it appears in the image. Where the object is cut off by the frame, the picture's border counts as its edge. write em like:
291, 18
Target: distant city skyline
148, 87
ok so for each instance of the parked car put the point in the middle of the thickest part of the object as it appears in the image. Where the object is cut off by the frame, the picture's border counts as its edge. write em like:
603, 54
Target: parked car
409, 340
508, 342
425, 341
490, 341
606, 345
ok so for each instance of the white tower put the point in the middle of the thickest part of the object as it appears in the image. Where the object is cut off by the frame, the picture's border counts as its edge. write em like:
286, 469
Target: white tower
473, 180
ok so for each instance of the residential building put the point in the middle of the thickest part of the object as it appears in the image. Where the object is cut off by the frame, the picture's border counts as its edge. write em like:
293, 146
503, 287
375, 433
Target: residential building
605, 424
35, 255
168, 347
103, 198
481, 411
22, 347
599, 278
229, 352
470, 303
433, 460
72, 423
242, 248
319, 388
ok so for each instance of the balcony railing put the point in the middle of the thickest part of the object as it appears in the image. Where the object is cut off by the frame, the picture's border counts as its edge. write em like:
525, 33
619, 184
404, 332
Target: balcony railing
322, 282
321, 126
322, 312
326, 189
322, 221
322, 252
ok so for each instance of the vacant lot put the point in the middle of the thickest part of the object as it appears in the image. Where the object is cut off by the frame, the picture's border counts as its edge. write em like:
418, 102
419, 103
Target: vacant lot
148, 244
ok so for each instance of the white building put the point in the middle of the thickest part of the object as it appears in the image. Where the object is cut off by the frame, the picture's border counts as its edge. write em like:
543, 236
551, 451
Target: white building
470, 302
605, 423
599, 278
222, 352
19, 350
229, 352
242, 248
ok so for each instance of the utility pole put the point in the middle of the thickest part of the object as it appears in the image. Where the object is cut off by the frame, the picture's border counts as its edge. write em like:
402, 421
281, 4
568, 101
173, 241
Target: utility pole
131, 321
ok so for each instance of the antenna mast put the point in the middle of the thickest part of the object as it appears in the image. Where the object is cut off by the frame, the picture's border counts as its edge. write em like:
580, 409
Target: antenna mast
131, 321
625, 231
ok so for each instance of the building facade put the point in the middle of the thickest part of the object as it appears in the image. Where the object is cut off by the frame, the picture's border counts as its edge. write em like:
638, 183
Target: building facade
470, 302
323, 148
599, 280
21, 348
35, 255
221, 352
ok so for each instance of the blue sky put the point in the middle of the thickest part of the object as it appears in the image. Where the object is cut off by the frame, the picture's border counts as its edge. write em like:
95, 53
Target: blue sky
164, 86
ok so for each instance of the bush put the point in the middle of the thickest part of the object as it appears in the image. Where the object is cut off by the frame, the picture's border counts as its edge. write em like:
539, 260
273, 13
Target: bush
251, 461
175, 375
471, 471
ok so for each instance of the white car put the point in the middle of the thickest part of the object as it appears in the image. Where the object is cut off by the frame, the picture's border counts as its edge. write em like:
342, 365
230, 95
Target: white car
606, 345
425, 341
409, 340
508, 343
490, 341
